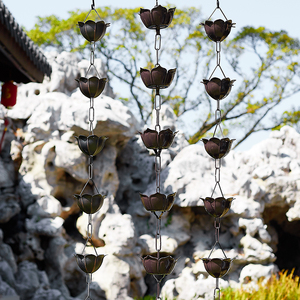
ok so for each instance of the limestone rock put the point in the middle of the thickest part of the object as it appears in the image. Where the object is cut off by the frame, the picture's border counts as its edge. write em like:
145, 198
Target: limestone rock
118, 233
6, 291
264, 182
254, 272
27, 280
9, 207
117, 278
46, 206
47, 226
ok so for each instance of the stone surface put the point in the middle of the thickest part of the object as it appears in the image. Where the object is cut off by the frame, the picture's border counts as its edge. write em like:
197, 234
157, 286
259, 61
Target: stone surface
9, 207
42, 167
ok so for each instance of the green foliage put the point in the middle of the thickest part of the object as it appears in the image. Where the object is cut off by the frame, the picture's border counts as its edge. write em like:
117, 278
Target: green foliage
284, 287
265, 64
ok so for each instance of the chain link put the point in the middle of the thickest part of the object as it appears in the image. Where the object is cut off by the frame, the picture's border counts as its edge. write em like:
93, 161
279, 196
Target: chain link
217, 294
91, 167
91, 115
217, 226
218, 51
88, 281
157, 102
157, 171
158, 236
90, 228
217, 170
218, 115
92, 56
217, 291
158, 291
157, 45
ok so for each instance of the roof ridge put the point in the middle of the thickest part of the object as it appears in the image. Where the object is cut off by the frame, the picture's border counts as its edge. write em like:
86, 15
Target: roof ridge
22, 39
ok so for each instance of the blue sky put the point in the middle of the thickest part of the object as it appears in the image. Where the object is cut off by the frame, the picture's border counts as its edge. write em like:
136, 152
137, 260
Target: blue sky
272, 14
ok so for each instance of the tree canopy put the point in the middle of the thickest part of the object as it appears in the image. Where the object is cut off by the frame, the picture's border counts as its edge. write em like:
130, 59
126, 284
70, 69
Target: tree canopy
264, 63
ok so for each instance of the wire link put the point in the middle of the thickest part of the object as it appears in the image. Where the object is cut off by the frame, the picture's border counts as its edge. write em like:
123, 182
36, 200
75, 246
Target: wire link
88, 281
218, 51
158, 291
89, 231
217, 294
92, 57
217, 174
218, 116
91, 171
217, 226
157, 44
157, 163
157, 102
157, 171
91, 114
158, 235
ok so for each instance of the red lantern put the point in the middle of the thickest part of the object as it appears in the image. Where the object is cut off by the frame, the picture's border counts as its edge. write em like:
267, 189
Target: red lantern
9, 94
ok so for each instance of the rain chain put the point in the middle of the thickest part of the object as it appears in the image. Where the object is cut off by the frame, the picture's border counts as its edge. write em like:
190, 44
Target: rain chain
217, 148
91, 145
158, 264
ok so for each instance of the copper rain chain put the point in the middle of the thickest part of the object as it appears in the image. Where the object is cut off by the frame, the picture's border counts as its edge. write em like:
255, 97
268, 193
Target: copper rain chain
91, 146
217, 89
158, 264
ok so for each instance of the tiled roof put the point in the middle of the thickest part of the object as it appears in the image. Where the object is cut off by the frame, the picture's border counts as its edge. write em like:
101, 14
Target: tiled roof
26, 44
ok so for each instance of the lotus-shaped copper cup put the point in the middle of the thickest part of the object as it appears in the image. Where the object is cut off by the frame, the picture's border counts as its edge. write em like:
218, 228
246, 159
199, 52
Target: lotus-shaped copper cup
157, 141
217, 267
218, 30
157, 78
89, 263
217, 207
217, 88
159, 17
91, 87
163, 265
89, 203
158, 202
92, 31
92, 144
217, 148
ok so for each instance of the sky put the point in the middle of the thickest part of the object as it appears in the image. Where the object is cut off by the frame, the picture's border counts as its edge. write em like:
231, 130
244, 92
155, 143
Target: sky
272, 14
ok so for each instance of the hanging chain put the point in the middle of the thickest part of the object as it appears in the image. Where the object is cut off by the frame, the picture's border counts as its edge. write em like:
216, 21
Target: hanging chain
218, 171
157, 170
92, 55
157, 44
217, 291
158, 236
217, 226
218, 164
158, 291
91, 115
88, 281
90, 228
